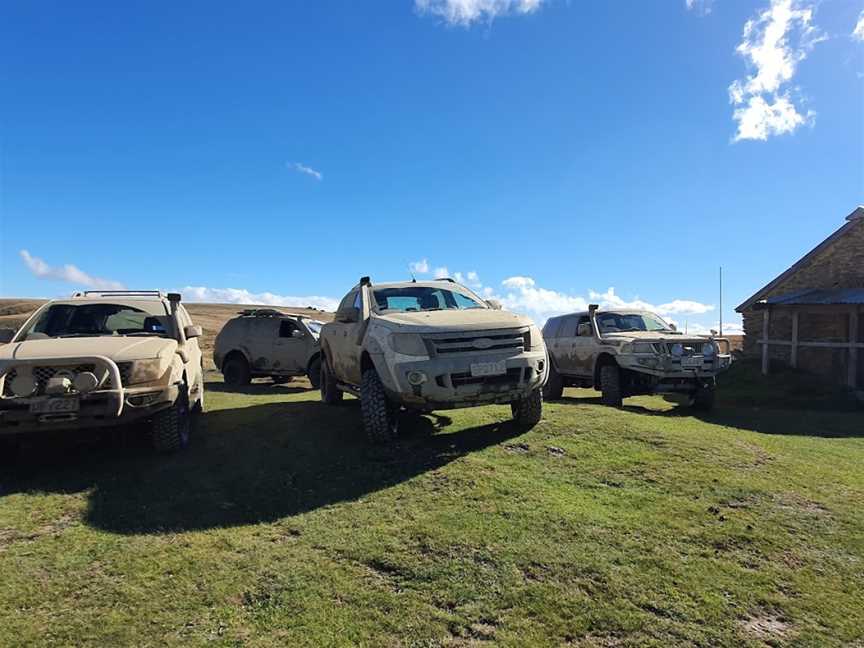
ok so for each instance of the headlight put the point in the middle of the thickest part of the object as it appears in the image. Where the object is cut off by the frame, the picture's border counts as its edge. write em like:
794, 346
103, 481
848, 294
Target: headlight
535, 339
408, 344
143, 371
644, 347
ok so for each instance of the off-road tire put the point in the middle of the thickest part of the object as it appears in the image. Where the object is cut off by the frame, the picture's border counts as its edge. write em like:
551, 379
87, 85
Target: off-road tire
703, 399
170, 428
315, 373
380, 416
610, 385
330, 392
554, 387
528, 411
236, 371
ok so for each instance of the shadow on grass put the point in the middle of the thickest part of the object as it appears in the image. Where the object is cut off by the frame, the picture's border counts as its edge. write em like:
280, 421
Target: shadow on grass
260, 388
764, 420
245, 465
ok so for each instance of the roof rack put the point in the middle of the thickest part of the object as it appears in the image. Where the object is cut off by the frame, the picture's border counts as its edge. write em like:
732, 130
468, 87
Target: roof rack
265, 312
120, 293
444, 279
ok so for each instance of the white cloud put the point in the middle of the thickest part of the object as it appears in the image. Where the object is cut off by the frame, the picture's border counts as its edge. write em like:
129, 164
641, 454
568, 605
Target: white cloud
441, 273
68, 273
773, 44
702, 7
419, 267
858, 32
466, 12
302, 168
243, 296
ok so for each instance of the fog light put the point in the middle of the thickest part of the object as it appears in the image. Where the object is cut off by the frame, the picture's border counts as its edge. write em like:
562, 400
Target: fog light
416, 377
23, 385
85, 381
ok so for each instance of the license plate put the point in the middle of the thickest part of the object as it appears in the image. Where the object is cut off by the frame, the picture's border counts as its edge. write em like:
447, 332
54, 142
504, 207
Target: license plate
488, 369
692, 363
55, 406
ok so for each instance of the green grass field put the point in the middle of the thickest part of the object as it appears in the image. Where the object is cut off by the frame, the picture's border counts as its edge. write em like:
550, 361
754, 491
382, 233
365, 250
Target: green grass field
280, 526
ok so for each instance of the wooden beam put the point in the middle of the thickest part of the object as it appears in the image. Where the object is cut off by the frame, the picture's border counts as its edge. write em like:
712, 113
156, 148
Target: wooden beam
806, 343
793, 355
765, 321
853, 348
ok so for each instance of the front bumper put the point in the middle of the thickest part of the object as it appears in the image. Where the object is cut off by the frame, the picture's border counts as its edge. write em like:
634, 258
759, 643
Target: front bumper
663, 374
111, 404
96, 409
449, 383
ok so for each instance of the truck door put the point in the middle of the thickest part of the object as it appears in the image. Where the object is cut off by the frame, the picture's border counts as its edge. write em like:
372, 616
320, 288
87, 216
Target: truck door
583, 347
289, 347
344, 350
564, 345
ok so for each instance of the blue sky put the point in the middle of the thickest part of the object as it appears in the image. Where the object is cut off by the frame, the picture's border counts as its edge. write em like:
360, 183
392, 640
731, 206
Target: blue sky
554, 149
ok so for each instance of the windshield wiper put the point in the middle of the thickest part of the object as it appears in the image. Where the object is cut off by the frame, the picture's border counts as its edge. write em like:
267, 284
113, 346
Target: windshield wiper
149, 333
71, 335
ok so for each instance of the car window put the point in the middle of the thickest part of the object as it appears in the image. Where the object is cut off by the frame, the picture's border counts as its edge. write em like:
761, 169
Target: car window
584, 319
422, 298
551, 329
286, 328
568, 326
351, 299
92, 320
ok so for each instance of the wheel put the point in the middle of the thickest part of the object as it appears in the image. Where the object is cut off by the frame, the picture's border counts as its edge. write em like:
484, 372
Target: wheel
554, 387
610, 385
380, 416
315, 372
330, 393
236, 371
281, 380
170, 427
704, 398
527, 412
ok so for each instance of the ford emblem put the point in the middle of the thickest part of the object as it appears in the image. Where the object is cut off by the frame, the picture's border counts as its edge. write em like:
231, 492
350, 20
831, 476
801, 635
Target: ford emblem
483, 343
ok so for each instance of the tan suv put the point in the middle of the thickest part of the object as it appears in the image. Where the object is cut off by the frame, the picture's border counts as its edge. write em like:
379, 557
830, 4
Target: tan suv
266, 342
628, 352
426, 346
102, 359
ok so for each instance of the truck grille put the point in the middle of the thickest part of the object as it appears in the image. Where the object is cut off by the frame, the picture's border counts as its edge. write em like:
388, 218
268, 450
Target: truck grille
480, 342
690, 348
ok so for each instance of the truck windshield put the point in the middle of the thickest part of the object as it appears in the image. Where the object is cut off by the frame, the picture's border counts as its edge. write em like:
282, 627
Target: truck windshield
314, 327
422, 298
93, 320
627, 322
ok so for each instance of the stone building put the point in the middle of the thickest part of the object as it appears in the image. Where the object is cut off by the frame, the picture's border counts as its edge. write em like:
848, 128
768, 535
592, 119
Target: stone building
812, 315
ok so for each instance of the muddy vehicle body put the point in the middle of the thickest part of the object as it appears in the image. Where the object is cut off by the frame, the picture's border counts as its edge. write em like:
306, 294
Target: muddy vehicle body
265, 342
103, 359
629, 352
427, 346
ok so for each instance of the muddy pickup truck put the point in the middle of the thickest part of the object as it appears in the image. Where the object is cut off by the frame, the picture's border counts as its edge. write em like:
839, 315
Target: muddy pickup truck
628, 352
102, 359
427, 346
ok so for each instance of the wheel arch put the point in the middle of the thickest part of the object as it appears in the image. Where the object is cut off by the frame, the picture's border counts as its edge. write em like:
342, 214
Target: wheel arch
233, 353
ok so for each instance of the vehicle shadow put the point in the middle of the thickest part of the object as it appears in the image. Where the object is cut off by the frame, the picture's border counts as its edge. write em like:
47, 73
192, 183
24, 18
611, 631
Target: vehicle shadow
788, 422
260, 388
246, 465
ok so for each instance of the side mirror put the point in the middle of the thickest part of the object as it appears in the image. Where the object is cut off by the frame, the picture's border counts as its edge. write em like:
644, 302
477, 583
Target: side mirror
494, 304
584, 330
349, 315
192, 332
673, 327
6, 335
296, 333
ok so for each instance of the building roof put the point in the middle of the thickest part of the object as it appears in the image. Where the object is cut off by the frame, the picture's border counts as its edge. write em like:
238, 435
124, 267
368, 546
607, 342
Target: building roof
820, 297
852, 219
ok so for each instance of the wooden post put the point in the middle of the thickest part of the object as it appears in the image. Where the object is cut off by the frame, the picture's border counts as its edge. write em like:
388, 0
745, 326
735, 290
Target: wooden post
765, 318
852, 378
793, 359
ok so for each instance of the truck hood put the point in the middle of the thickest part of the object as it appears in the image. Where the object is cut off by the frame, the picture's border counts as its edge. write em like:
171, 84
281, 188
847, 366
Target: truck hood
118, 348
649, 336
455, 320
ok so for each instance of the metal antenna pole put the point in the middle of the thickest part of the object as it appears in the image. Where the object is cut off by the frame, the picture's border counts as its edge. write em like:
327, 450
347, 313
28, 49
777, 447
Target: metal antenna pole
721, 301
